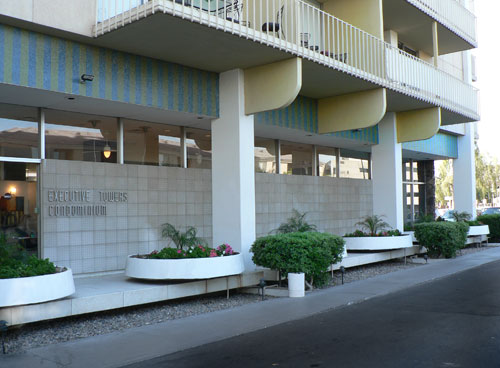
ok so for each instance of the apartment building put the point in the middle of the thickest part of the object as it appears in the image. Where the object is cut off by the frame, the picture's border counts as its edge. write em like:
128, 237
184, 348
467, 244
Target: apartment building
117, 116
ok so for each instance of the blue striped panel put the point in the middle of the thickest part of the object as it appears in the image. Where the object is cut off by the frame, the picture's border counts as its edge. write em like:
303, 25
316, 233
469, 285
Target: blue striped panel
445, 145
302, 114
31, 59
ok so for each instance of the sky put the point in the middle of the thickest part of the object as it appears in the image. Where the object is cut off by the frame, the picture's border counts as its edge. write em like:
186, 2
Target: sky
488, 74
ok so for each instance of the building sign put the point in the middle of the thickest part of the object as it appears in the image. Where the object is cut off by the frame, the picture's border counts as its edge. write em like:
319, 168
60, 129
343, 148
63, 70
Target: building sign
81, 202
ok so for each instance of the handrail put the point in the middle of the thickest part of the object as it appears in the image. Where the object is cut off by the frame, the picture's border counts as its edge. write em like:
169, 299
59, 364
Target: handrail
308, 32
451, 14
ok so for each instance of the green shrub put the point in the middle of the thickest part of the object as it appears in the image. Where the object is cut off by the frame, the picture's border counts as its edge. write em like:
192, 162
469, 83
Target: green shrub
32, 267
15, 261
309, 252
493, 222
442, 238
361, 234
295, 223
474, 223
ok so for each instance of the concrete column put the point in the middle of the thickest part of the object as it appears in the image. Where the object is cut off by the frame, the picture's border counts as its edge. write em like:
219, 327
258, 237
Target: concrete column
41, 133
233, 172
435, 43
183, 148
120, 139
464, 173
387, 174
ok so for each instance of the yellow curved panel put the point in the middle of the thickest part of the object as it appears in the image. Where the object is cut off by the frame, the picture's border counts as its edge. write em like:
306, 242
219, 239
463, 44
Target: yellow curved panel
417, 125
352, 111
272, 86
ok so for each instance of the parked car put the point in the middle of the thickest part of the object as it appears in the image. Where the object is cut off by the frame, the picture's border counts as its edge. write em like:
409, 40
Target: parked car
491, 211
448, 216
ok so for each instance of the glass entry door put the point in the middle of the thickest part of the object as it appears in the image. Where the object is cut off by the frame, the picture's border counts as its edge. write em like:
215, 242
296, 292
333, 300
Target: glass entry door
19, 204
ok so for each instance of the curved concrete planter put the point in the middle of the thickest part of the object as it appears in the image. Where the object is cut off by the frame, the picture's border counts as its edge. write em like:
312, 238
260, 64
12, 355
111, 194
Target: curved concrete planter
412, 233
36, 289
379, 242
182, 269
478, 230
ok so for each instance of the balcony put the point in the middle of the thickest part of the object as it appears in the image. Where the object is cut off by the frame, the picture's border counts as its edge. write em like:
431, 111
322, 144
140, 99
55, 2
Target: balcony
338, 57
456, 24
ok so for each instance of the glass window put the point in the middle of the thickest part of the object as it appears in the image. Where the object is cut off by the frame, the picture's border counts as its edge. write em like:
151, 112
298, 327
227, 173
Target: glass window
354, 165
18, 131
296, 158
18, 204
265, 155
81, 137
151, 144
199, 148
327, 161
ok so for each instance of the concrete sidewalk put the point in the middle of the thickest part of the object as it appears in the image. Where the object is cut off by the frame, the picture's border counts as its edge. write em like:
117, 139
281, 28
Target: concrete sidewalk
138, 344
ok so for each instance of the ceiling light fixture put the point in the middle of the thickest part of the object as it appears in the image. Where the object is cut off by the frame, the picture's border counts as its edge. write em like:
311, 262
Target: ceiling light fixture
107, 151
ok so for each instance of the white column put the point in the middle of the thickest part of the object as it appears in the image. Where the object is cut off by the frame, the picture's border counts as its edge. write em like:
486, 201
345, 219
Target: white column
120, 138
233, 173
41, 133
464, 173
387, 176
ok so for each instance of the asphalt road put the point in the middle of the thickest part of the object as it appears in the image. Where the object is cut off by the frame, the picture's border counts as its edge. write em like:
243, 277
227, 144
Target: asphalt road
452, 322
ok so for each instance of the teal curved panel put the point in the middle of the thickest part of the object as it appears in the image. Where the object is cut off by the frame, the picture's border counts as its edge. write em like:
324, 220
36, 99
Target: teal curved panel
445, 145
302, 114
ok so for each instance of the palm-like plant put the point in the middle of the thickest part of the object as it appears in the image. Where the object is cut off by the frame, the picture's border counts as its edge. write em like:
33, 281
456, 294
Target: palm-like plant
181, 239
461, 216
373, 224
296, 223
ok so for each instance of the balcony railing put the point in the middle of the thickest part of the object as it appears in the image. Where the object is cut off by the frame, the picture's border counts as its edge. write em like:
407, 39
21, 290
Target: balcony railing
305, 31
451, 14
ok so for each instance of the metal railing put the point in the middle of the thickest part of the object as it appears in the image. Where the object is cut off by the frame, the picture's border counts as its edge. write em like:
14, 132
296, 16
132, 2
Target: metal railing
303, 30
451, 14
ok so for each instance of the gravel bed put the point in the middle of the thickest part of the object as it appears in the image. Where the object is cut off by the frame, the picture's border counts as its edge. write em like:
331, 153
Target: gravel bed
21, 338
33, 335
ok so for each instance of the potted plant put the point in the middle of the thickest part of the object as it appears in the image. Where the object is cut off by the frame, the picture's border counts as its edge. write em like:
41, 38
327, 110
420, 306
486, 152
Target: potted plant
26, 279
377, 236
190, 259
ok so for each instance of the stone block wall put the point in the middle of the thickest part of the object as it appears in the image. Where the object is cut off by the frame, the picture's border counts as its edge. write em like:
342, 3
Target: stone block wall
93, 242
335, 205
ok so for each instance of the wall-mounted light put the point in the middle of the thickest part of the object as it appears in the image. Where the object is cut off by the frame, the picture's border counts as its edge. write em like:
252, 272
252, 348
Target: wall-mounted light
86, 78
107, 151
13, 190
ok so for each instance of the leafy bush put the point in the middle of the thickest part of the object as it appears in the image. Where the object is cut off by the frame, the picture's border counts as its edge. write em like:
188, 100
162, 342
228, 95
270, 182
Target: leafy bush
309, 252
361, 234
296, 223
15, 262
474, 223
192, 252
181, 239
442, 238
493, 222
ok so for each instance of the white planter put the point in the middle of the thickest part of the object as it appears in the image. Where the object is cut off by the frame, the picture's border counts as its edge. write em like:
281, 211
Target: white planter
378, 242
186, 268
36, 289
478, 230
296, 285
412, 233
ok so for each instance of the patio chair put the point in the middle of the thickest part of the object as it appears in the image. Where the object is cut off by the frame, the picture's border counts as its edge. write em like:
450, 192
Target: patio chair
275, 26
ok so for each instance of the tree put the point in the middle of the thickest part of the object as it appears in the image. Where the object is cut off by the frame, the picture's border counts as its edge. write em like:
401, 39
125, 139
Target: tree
487, 176
444, 181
